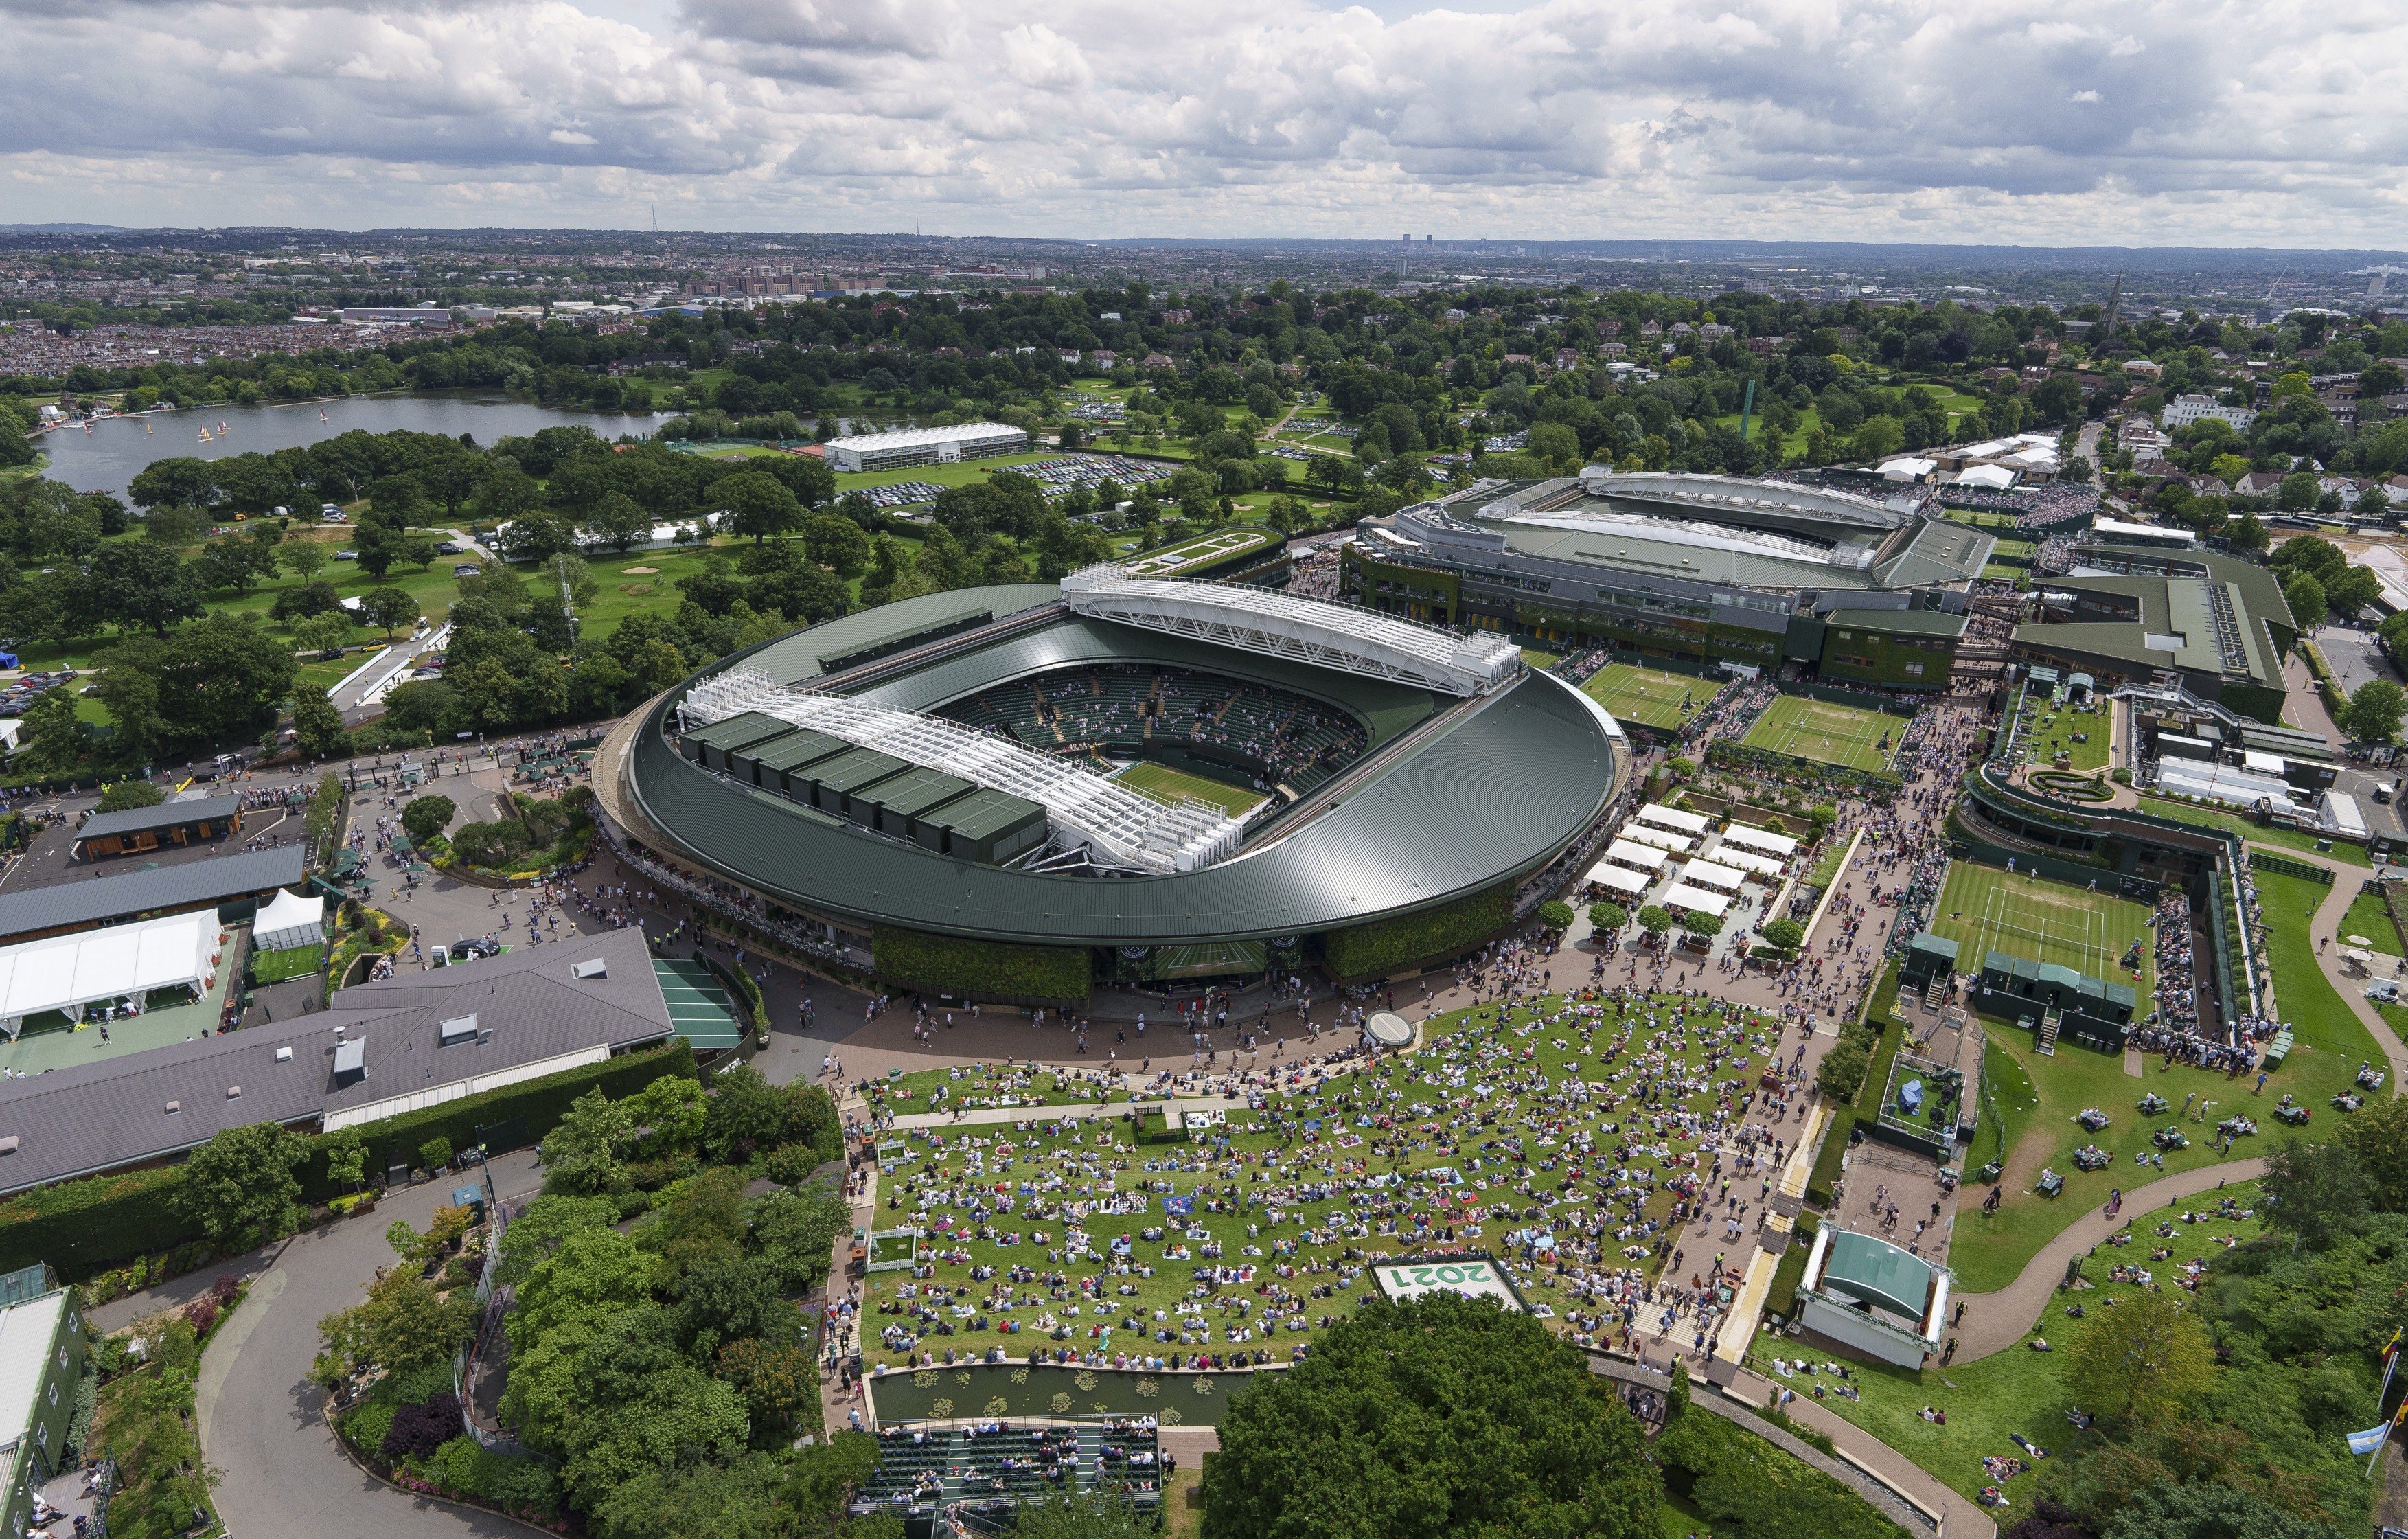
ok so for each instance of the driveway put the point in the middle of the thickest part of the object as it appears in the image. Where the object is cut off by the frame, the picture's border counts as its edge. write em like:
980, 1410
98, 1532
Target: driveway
2353, 656
260, 1417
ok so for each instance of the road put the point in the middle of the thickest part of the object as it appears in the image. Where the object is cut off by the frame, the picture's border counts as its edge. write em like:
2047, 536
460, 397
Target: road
2353, 656
362, 690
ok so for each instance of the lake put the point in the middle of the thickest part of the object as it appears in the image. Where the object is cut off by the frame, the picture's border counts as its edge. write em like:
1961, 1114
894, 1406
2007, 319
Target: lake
117, 448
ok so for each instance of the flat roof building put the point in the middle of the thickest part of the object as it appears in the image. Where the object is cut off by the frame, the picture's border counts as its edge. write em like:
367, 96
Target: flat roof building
179, 820
231, 884
925, 446
41, 1363
2219, 635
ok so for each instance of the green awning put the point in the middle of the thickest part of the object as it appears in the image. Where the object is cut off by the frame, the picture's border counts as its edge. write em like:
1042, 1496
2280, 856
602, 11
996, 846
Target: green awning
699, 1007
1874, 1271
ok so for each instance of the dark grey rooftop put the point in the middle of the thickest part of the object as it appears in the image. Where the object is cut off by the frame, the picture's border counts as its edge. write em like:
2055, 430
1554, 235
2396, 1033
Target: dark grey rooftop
64, 905
171, 814
528, 1008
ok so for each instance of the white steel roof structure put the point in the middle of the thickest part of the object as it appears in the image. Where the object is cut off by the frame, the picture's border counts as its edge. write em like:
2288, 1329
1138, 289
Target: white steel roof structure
1116, 826
1695, 899
1668, 817
116, 962
1618, 879
1735, 495
1705, 873
289, 921
1661, 838
1303, 630
1624, 853
1758, 838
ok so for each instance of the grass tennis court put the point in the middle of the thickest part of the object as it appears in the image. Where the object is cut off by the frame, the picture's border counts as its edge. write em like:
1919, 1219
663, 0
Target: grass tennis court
1986, 909
1648, 696
1828, 733
274, 967
1164, 783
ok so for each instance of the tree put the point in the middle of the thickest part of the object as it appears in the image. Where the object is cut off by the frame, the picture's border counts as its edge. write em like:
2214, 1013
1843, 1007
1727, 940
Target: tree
126, 794
1698, 922
792, 1231
2306, 597
347, 1157
2298, 491
1785, 934
1608, 917
239, 1187
2377, 1136
427, 816
326, 632
2206, 1510
404, 1325
185, 480
317, 727
725, 1298
581, 1154
389, 607
837, 542
2374, 711
137, 586
2352, 589
2142, 1362
1067, 1515
746, 1115
757, 504
1556, 917
538, 1233
1486, 1424
1822, 815
1654, 919
2315, 1190
304, 558
619, 521
591, 1274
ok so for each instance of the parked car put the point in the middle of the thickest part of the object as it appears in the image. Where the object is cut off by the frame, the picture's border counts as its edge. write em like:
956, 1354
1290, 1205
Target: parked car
465, 570
347, 555
450, 546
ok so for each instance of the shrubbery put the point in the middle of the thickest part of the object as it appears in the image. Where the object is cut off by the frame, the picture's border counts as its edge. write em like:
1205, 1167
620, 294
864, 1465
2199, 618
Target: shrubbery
1374, 948
945, 964
1749, 1490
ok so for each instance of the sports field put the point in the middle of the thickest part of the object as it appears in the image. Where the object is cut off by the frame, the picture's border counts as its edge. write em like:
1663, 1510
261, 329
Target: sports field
1648, 696
1986, 909
1164, 783
1831, 734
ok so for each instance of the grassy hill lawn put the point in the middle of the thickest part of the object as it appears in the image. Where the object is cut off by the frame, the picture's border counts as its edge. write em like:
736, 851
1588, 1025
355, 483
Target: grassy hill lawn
2286, 838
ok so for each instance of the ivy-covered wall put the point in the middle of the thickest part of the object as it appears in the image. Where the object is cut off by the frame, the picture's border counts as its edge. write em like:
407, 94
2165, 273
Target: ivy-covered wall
1374, 948
996, 969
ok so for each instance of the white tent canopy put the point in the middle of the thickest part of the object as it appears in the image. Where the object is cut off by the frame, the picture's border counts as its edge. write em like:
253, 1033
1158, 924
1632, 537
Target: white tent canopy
1695, 899
1763, 865
1658, 837
1705, 873
1757, 838
1624, 853
1619, 880
1668, 817
289, 921
66, 972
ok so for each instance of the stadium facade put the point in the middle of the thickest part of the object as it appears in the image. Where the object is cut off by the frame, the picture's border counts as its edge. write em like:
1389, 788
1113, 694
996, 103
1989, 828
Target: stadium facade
993, 791
1712, 569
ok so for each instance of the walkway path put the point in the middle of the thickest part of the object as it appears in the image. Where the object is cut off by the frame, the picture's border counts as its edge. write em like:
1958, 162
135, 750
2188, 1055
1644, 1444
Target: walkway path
2327, 924
1997, 1320
1957, 1518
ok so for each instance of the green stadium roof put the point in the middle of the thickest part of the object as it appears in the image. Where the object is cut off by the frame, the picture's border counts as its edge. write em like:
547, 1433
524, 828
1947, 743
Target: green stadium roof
1874, 1271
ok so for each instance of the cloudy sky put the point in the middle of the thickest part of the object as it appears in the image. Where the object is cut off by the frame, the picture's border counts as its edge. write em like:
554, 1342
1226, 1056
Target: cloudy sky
2149, 121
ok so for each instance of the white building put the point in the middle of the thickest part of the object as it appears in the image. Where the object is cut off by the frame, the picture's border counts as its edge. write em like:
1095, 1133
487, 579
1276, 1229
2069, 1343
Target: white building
2186, 409
925, 446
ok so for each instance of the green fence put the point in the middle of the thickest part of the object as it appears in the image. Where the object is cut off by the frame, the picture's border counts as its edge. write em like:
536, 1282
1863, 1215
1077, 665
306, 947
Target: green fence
2284, 866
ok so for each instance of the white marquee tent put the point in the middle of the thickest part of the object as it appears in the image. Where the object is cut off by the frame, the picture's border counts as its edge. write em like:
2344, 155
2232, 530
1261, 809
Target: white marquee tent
1669, 817
1695, 899
1618, 879
289, 921
1705, 873
1677, 843
1763, 865
1757, 838
1624, 853
65, 973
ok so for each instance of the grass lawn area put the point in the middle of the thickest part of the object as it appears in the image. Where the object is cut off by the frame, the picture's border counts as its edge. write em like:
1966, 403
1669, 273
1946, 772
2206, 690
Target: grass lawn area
1988, 908
1648, 696
1792, 442
2330, 1044
2053, 729
2367, 917
1995, 573
274, 967
1831, 734
1223, 545
2017, 1390
1468, 1108
978, 1086
2272, 838
1533, 658
1166, 784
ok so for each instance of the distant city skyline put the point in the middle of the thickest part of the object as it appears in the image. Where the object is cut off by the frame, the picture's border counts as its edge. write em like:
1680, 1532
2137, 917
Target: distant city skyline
2119, 123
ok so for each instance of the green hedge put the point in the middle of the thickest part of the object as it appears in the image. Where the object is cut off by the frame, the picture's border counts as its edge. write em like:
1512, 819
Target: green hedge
1782, 1297
2284, 866
1374, 948
1825, 1173
949, 966
86, 1226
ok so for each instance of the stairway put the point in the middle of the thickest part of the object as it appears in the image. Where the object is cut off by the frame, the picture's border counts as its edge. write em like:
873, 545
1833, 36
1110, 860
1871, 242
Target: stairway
2046, 1045
1936, 992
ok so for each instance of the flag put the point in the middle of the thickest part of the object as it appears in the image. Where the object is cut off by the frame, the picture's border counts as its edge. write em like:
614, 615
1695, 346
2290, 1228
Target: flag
2391, 1347
2369, 1440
